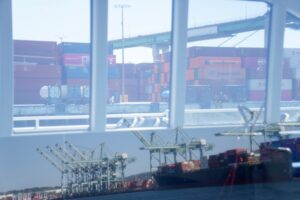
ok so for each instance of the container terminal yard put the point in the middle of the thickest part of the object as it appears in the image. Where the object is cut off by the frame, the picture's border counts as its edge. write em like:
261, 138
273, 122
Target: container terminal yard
56, 73
53, 80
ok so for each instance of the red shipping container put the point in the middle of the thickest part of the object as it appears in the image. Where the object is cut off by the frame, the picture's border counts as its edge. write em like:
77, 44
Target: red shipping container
223, 73
132, 93
38, 71
166, 67
286, 95
256, 96
213, 51
33, 59
236, 155
132, 82
196, 62
23, 84
114, 84
156, 88
253, 52
190, 75
256, 73
76, 60
27, 97
233, 62
254, 62
41, 48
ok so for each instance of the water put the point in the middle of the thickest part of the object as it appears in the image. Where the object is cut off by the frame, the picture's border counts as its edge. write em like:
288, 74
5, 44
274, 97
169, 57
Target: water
274, 191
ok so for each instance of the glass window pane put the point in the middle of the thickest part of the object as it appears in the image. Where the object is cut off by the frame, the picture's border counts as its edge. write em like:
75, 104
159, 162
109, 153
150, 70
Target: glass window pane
52, 67
290, 86
138, 76
26, 173
226, 60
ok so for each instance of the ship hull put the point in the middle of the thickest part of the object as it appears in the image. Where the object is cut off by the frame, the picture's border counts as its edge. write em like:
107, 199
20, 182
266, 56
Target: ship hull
228, 175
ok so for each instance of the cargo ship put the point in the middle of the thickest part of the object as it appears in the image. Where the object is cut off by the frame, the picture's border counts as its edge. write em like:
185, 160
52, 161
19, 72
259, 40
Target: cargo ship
294, 145
232, 167
94, 177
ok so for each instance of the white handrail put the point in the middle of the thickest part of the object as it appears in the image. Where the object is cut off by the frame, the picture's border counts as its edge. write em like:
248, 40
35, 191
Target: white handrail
193, 117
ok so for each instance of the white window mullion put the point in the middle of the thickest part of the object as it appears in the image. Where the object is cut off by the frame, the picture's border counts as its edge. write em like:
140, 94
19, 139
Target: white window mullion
6, 69
179, 62
99, 19
273, 93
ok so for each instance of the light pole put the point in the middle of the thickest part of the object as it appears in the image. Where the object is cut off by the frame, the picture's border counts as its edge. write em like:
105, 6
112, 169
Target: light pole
122, 6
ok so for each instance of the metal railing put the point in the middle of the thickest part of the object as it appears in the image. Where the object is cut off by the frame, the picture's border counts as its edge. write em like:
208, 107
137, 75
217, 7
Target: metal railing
193, 118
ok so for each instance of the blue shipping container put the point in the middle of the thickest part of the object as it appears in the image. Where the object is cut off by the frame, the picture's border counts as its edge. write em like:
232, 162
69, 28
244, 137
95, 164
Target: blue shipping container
72, 47
76, 72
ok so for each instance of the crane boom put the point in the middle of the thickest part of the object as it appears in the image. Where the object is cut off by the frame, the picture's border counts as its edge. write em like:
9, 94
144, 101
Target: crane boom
52, 161
141, 138
76, 150
59, 156
68, 155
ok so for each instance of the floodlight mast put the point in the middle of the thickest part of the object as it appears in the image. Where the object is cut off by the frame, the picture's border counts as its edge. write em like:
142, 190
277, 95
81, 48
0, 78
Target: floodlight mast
122, 7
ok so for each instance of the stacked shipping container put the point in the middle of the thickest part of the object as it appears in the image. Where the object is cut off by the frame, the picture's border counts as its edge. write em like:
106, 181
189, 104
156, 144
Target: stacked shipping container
35, 65
219, 73
293, 57
158, 81
256, 76
75, 60
210, 71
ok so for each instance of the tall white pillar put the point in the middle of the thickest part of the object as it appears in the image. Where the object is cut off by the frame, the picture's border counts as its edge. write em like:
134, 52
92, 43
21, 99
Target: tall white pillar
179, 62
6, 69
274, 73
99, 21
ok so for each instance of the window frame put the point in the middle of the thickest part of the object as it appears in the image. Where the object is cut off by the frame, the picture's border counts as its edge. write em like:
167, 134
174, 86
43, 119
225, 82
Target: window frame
99, 21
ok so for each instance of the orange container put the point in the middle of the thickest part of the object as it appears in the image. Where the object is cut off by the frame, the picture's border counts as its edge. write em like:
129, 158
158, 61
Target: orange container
166, 67
222, 62
190, 75
196, 62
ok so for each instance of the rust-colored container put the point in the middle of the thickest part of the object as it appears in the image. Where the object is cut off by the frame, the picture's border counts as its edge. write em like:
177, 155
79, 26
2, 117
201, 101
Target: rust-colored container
76, 60
37, 71
27, 97
232, 62
190, 75
23, 84
35, 48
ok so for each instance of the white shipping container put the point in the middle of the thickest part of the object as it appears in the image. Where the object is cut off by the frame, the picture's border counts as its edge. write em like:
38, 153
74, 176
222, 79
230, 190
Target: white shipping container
260, 84
293, 55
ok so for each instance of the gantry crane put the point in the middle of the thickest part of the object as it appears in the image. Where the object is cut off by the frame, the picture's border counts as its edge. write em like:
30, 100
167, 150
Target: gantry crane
83, 172
157, 148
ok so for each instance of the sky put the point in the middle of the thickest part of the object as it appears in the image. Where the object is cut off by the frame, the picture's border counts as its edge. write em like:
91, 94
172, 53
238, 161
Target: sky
68, 20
